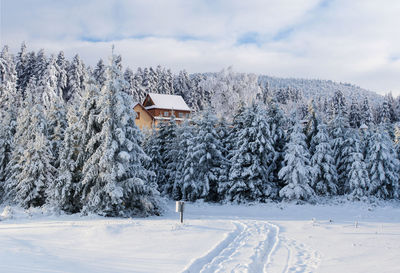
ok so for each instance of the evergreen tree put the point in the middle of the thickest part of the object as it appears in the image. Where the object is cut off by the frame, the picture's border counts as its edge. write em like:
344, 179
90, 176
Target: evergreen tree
114, 180
358, 180
338, 105
251, 177
22, 63
184, 141
383, 166
183, 87
30, 122
297, 170
312, 126
77, 77
29, 169
9, 103
204, 162
277, 124
339, 127
158, 150
366, 113
36, 172
354, 115
99, 73
83, 126
169, 156
324, 177
62, 77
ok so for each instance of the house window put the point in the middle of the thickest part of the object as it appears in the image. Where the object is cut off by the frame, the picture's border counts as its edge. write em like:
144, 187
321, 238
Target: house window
166, 114
180, 115
137, 115
187, 115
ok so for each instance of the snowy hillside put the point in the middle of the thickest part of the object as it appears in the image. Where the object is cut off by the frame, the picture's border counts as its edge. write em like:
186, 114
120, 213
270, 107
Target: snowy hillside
348, 237
314, 89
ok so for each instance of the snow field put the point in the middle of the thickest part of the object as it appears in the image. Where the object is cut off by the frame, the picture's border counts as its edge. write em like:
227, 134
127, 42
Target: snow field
214, 238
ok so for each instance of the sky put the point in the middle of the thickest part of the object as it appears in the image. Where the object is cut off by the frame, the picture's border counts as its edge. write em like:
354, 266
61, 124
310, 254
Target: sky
354, 41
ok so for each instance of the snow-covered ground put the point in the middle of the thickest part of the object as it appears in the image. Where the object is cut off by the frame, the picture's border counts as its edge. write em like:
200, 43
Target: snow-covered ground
347, 237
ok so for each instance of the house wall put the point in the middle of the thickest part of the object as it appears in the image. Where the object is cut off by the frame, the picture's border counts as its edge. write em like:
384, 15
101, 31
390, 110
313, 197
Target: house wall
160, 112
145, 120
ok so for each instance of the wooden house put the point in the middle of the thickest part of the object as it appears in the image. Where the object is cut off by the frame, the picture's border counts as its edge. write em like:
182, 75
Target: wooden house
160, 107
144, 120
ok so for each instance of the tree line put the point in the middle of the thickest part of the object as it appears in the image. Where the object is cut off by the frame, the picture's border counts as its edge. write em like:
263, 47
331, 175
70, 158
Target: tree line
68, 140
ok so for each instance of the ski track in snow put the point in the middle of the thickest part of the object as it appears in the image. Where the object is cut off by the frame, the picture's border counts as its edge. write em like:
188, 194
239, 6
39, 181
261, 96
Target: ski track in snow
250, 248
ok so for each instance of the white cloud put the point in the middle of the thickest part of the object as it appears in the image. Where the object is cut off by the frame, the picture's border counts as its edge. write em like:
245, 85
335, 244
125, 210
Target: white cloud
354, 41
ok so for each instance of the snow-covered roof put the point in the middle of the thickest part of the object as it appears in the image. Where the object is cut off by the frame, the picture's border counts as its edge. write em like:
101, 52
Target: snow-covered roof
164, 101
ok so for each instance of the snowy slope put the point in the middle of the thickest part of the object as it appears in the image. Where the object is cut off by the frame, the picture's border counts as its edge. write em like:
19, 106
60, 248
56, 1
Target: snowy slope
314, 89
260, 238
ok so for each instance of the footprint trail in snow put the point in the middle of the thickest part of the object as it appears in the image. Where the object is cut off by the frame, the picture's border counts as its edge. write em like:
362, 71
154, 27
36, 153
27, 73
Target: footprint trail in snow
250, 248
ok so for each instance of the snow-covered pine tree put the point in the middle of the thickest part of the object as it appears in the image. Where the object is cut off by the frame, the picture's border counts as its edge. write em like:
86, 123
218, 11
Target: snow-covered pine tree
83, 126
54, 108
21, 67
297, 170
277, 124
338, 104
169, 156
114, 181
183, 87
251, 177
30, 121
204, 163
40, 65
358, 180
77, 77
140, 89
99, 73
29, 169
157, 148
62, 77
383, 166
10, 101
339, 127
354, 115
397, 139
311, 128
184, 140
324, 176
366, 113
36, 172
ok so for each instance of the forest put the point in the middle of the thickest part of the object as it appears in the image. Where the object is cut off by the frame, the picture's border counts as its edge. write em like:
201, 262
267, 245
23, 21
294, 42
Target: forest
68, 138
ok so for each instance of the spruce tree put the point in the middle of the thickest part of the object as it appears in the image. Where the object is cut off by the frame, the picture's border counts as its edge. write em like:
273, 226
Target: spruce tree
114, 181
171, 152
30, 122
358, 180
10, 101
311, 128
297, 170
324, 177
62, 77
251, 177
366, 113
383, 166
36, 172
354, 115
277, 124
184, 141
99, 73
339, 128
204, 162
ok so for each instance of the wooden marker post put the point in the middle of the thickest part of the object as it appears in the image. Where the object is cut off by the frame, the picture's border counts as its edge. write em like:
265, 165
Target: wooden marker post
180, 207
